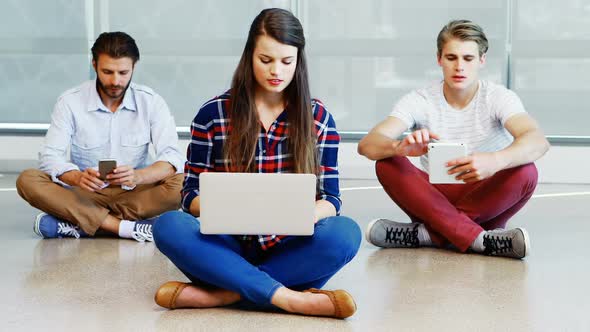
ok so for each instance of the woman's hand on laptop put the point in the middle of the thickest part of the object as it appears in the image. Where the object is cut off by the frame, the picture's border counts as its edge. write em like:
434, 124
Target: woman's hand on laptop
415, 144
475, 167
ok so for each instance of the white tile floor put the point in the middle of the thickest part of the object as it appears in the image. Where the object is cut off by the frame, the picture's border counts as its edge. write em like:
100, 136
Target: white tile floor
108, 284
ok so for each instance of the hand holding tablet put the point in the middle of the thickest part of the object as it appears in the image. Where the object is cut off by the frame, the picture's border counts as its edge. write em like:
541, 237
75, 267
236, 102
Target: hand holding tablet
438, 155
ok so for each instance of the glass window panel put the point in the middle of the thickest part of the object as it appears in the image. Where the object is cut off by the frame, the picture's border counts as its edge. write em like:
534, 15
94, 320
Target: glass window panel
186, 82
35, 83
187, 21
552, 20
345, 19
551, 63
43, 49
554, 91
42, 19
363, 59
361, 91
189, 49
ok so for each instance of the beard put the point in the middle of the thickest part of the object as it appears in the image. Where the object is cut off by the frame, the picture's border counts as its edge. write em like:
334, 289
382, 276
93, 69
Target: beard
112, 91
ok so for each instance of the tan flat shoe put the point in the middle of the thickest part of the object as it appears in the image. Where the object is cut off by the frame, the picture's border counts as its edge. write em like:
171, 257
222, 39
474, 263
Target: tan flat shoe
167, 294
343, 302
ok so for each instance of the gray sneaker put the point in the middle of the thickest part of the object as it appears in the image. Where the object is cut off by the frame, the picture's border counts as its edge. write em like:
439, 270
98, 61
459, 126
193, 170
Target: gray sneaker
513, 243
386, 233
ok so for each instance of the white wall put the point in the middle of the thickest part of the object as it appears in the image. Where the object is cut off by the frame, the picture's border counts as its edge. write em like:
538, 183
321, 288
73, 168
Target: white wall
562, 164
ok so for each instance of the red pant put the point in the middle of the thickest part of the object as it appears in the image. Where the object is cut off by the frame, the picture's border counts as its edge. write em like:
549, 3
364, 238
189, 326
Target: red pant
456, 213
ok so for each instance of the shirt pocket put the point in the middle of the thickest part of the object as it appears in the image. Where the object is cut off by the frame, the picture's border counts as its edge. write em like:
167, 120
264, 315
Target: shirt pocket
87, 150
134, 150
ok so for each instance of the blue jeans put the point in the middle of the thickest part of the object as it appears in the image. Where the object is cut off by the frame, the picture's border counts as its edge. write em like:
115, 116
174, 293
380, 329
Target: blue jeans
297, 262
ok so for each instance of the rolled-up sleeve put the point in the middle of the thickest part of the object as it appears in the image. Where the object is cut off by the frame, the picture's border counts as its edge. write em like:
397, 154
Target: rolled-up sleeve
164, 135
53, 157
200, 155
327, 147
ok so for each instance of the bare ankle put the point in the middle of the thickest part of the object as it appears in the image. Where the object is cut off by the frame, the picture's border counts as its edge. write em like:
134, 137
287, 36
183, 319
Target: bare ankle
225, 297
197, 297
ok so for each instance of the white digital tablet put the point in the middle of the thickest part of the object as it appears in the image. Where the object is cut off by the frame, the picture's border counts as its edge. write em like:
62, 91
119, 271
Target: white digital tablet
438, 155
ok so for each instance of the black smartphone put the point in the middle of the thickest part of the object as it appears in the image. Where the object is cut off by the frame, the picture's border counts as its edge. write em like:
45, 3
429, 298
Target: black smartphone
106, 166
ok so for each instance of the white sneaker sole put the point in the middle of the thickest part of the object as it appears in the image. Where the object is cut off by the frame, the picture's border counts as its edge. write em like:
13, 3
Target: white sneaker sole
527, 242
37, 223
368, 230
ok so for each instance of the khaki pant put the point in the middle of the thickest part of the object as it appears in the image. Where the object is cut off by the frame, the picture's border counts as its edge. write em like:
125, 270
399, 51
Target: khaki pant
89, 209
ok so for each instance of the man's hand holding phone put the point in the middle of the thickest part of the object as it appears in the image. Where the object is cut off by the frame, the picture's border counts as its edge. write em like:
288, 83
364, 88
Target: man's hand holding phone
90, 180
124, 175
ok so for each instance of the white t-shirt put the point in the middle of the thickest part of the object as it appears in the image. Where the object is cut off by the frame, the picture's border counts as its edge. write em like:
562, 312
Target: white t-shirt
480, 124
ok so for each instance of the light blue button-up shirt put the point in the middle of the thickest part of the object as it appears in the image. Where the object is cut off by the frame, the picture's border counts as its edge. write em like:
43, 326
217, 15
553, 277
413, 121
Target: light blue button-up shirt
84, 126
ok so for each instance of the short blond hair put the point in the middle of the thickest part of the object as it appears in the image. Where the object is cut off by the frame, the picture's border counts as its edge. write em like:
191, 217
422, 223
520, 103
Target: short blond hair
464, 30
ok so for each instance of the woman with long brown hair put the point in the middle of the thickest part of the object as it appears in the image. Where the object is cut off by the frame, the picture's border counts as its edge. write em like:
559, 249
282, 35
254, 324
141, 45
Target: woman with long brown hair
266, 123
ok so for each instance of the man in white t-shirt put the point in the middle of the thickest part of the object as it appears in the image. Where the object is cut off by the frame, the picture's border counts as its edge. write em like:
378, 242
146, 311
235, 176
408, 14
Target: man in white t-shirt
498, 174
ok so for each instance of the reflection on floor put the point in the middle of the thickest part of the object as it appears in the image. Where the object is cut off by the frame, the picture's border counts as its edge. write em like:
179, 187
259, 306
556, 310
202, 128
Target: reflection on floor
108, 284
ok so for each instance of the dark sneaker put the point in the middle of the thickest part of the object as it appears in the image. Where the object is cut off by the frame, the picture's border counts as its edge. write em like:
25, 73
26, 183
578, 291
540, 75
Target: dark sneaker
143, 230
50, 227
513, 243
390, 234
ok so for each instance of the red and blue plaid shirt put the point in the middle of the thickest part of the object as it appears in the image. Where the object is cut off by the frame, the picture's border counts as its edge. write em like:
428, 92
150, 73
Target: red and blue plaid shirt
205, 153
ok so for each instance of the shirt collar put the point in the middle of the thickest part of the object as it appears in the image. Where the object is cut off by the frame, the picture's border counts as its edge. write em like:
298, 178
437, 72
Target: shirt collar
96, 104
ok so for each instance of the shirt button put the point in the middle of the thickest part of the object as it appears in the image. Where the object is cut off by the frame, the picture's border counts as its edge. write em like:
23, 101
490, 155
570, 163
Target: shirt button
263, 151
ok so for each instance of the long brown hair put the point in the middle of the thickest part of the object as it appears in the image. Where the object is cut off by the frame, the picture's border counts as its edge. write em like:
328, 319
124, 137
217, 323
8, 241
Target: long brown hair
240, 148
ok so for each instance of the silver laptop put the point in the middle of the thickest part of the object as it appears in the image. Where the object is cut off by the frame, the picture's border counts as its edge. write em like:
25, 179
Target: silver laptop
257, 203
